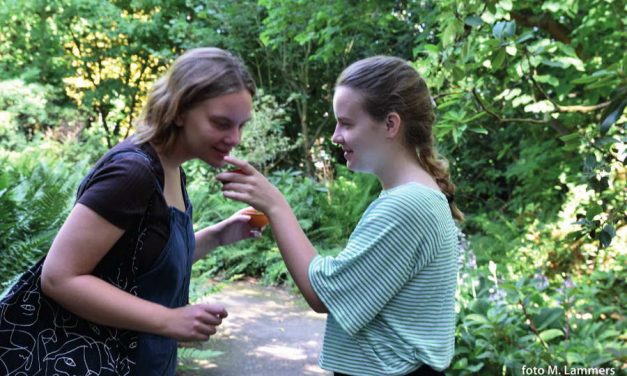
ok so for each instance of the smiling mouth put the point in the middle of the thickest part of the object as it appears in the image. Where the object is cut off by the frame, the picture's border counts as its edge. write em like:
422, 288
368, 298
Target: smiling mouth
225, 152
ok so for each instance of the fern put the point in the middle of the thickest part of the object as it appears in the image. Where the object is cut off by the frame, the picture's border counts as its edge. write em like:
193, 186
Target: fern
35, 196
189, 358
348, 197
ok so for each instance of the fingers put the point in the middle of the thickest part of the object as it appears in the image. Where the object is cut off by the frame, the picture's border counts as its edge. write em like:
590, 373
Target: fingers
234, 161
204, 331
210, 319
241, 164
206, 320
252, 232
236, 196
241, 218
234, 186
215, 309
239, 212
228, 177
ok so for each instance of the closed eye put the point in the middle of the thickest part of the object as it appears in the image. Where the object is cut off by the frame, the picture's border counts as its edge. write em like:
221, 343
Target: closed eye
343, 122
220, 122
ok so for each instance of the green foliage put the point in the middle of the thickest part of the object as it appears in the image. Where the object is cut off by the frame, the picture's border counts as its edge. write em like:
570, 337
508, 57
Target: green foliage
508, 320
35, 196
347, 197
27, 110
264, 143
530, 103
188, 359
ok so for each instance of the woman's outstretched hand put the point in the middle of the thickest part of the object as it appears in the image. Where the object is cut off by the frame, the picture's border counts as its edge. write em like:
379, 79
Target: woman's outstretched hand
236, 228
246, 184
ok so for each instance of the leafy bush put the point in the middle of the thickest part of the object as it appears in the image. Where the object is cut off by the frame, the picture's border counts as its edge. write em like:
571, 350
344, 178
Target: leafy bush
36, 193
511, 314
27, 109
264, 143
347, 197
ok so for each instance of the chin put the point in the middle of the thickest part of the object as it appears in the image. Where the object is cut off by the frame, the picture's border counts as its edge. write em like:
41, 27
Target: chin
357, 168
352, 167
214, 162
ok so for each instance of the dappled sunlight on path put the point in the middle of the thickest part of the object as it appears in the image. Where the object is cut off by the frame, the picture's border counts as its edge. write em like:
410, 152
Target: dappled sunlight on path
269, 331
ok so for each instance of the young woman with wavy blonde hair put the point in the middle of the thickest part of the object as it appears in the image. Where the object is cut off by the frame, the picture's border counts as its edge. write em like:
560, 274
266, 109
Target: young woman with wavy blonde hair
111, 296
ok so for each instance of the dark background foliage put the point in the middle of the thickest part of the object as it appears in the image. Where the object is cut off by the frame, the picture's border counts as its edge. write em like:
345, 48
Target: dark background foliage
530, 103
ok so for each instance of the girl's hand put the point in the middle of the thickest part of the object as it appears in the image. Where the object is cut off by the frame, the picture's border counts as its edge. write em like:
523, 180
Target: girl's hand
194, 322
236, 228
250, 186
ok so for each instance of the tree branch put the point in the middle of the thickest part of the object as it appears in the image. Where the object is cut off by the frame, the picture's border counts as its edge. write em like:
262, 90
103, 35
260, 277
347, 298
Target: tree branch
532, 326
583, 109
442, 95
505, 120
575, 108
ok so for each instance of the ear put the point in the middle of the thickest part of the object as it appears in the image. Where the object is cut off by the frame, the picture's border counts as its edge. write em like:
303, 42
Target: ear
393, 124
179, 120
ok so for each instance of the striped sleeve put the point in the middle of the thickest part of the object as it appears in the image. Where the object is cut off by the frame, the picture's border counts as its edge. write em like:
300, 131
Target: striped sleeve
384, 252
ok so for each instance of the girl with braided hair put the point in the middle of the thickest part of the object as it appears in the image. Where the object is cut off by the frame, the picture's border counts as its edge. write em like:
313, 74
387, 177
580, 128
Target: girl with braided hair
390, 293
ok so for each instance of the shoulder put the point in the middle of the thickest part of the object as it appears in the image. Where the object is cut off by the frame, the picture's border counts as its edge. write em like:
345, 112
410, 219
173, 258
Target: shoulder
137, 155
410, 200
131, 171
410, 211
121, 185
126, 172
134, 164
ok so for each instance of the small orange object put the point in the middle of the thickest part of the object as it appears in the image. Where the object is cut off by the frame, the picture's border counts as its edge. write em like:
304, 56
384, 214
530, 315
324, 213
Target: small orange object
257, 218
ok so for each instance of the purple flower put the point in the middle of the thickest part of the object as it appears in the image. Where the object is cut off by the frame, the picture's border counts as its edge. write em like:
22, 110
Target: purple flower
569, 284
542, 282
472, 260
497, 295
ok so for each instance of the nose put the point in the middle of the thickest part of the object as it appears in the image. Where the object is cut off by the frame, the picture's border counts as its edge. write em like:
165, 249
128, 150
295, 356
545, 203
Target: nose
234, 136
337, 137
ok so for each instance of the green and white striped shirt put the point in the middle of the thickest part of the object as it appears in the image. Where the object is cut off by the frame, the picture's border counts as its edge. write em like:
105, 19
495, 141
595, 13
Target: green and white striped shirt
391, 292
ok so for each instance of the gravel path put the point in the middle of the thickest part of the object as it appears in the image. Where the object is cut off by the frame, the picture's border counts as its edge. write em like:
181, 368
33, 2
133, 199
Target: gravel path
269, 332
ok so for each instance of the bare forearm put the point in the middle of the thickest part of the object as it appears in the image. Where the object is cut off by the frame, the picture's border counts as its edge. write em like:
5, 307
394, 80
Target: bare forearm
297, 252
95, 300
206, 241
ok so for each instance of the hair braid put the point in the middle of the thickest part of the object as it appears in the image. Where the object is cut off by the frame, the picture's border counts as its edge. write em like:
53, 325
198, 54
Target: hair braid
437, 167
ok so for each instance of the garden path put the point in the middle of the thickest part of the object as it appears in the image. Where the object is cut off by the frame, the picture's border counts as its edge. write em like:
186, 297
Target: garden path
270, 331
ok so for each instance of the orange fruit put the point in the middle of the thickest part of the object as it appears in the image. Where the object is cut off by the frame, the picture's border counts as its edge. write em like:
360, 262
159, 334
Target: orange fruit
257, 218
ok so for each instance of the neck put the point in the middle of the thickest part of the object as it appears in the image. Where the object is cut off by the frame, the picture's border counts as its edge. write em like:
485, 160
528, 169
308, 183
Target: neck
403, 167
170, 161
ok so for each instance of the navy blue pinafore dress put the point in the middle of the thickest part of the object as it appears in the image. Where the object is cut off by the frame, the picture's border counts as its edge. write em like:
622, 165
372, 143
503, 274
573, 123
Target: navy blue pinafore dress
167, 283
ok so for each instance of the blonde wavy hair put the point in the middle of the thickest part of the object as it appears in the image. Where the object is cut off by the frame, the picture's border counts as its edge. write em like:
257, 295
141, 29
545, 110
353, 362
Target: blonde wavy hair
197, 75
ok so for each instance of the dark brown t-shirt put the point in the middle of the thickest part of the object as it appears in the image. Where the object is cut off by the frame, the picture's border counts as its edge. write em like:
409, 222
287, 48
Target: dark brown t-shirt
127, 191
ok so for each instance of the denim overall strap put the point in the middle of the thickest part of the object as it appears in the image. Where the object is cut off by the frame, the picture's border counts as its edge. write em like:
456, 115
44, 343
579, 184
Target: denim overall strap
167, 283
